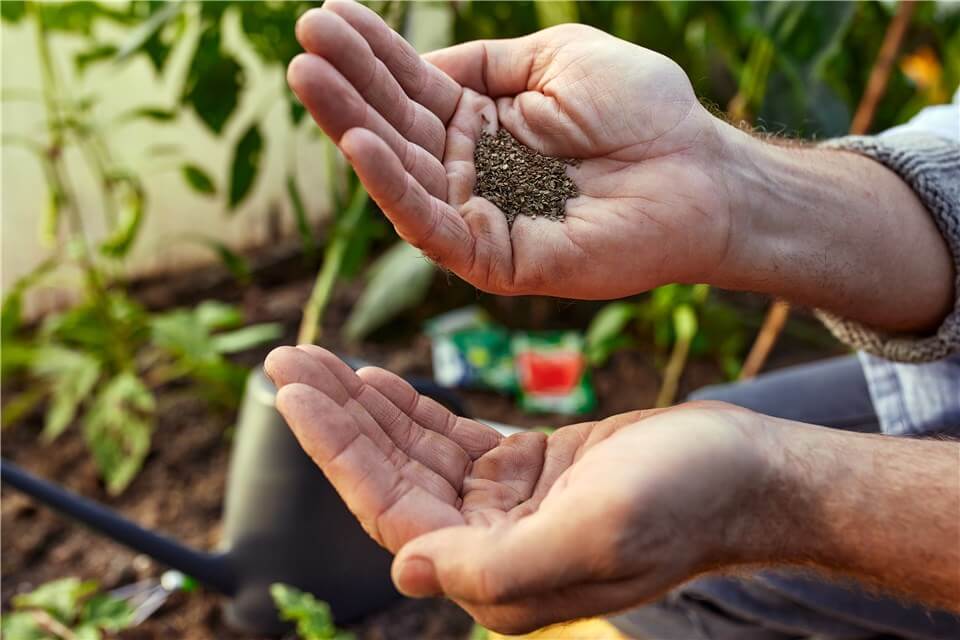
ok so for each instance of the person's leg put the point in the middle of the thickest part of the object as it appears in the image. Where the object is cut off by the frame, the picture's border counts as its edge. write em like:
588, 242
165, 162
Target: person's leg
785, 605
830, 393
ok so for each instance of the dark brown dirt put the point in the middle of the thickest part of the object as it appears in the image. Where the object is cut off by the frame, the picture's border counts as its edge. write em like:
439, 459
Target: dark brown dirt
521, 180
180, 489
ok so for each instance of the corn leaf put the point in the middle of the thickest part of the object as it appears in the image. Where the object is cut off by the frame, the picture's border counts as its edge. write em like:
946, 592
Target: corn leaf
400, 280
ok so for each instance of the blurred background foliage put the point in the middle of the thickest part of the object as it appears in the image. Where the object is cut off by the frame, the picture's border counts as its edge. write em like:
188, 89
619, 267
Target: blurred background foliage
793, 68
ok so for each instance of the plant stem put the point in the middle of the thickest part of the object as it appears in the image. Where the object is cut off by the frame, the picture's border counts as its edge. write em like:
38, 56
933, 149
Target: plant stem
51, 625
672, 373
332, 264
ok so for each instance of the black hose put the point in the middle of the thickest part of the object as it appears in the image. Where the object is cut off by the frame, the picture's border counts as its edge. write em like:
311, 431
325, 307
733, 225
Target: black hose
213, 570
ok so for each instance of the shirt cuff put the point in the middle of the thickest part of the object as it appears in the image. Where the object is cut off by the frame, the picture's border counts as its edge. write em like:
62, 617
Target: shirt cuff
929, 165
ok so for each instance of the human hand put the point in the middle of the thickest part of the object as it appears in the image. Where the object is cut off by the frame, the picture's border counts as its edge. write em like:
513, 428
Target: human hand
652, 209
529, 530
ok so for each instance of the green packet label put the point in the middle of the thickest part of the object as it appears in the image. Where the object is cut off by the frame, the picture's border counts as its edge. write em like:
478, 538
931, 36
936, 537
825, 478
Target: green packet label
470, 351
552, 372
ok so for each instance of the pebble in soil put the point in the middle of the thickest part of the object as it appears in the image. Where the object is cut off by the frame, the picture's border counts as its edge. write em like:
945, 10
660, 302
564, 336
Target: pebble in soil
520, 180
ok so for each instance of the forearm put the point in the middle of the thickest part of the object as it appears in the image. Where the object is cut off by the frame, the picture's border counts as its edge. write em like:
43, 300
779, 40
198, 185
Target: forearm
884, 510
832, 230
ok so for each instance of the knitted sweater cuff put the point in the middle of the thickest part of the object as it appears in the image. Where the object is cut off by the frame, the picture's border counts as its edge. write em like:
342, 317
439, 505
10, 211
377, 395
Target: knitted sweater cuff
931, 167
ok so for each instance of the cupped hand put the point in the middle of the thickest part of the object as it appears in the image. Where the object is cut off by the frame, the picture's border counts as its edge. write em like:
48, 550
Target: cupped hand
652, 209
527, 530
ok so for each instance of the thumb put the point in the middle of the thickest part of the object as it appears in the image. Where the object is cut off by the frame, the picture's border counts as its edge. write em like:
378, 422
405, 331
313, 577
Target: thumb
504, 562
491, 67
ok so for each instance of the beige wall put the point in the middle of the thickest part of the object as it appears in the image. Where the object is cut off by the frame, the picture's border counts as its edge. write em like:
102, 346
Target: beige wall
173, 208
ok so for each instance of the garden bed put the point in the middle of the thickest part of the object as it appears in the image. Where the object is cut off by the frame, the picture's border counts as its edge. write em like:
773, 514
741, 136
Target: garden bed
180, 489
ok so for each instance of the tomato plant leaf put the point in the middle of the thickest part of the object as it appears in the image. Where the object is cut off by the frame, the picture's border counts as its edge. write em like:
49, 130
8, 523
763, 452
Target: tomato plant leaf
104, 611
245, 165
118, 428
198, 179
60, 598
247, 337
213, 83
70, 376
606, 331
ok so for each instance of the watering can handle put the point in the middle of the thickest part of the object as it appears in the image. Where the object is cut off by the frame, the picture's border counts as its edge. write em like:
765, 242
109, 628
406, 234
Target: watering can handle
213, 570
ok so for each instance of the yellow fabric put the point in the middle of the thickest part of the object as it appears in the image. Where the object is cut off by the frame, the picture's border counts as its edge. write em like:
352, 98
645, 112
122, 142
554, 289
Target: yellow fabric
591, 629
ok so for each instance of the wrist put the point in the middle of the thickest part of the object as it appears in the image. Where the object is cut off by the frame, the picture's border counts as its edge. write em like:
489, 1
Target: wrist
765, 238
830, 229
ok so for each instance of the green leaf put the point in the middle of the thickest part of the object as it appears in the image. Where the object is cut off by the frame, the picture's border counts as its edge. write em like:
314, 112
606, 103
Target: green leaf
13, 10
606, 331
245, 165
399, 280
479, 633
70, 376
118, 428
60, 598
247, 337
267, 27
181, 333
554, 12
313, 617
108, 328
149, 29
21, 625
213, 315
94, 54
21, 404
122, 237
156, 114
198, 179
104, 611
684, 323
76, 17
213, 83
87, 632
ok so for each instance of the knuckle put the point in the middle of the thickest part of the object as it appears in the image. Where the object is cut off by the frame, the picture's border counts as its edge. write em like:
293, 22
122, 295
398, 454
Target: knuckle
491, 587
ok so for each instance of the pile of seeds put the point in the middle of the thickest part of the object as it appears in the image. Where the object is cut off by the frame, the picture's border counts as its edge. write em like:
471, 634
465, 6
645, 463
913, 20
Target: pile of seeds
520, 180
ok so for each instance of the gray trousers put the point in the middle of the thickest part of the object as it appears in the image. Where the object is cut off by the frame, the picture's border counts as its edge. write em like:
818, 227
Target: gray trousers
790, 604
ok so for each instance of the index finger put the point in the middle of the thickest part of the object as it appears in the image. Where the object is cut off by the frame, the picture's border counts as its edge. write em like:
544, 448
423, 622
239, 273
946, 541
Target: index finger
422, 81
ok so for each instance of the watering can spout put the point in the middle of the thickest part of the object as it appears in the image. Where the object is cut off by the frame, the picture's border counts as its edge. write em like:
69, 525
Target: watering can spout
212, 569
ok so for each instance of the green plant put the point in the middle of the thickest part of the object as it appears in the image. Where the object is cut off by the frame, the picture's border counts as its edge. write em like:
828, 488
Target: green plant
101, 360
65, 609
680, 319
313, 618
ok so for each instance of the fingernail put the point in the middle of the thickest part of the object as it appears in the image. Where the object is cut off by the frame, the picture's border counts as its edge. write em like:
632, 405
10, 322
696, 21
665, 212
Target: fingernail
416, 577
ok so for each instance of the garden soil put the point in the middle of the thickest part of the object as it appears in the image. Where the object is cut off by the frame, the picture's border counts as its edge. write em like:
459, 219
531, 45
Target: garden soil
180, 489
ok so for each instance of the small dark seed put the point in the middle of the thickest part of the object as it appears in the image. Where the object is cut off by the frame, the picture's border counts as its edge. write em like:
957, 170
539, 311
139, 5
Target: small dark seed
521, 180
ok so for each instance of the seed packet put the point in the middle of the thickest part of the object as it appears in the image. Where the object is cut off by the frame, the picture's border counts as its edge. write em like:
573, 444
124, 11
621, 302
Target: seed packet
552, 372
470, 351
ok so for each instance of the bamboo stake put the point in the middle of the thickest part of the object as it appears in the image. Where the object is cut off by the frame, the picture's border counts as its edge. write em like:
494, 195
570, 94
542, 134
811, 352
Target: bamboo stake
777, 315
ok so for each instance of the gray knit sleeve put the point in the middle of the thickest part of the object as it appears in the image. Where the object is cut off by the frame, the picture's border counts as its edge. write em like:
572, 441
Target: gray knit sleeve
930, 165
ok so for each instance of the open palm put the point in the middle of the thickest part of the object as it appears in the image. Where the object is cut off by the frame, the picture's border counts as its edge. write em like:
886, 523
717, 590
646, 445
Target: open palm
404, 464
530, 529
650, 209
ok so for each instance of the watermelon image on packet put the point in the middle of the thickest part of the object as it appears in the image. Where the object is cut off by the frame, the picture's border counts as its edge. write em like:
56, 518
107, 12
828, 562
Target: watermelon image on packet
552, 372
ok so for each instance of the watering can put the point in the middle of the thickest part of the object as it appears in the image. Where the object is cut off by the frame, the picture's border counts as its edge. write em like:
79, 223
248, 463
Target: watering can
283, 522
